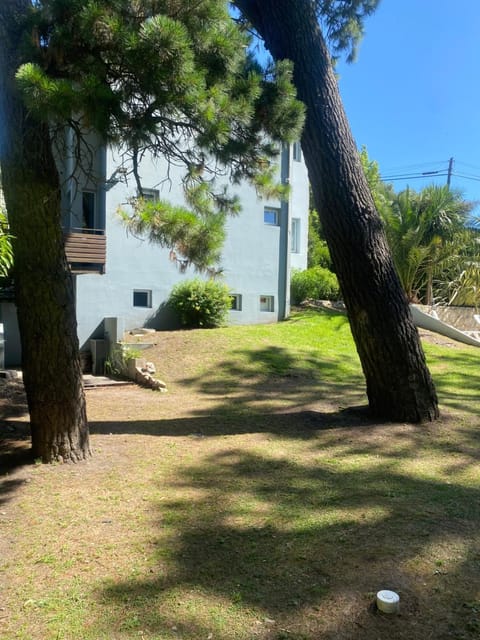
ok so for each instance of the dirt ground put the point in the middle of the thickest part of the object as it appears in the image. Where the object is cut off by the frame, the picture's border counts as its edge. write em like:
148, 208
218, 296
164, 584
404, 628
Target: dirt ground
127, 400
13, 401
189, 411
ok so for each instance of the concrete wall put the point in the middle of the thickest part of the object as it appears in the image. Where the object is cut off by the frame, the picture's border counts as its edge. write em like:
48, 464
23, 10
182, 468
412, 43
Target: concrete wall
250, 261
460, 317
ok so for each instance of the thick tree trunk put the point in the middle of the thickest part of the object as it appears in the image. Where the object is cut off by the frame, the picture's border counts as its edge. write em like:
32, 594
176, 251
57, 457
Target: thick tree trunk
43, 284
399, 386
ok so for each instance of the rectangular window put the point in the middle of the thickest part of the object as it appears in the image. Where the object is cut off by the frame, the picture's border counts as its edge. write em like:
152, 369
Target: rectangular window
266, 303
151, 195
236, 302
142, 298
297, 152
295, 237
88, 209
271, 216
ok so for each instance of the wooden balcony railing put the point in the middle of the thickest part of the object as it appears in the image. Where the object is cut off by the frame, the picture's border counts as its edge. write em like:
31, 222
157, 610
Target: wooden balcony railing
86, 250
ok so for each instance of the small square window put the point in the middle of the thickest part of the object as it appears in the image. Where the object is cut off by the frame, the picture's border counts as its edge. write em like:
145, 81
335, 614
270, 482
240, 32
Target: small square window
271, 216
142, 298
295, 236
236, 299
297, 152
266, 303
150, 195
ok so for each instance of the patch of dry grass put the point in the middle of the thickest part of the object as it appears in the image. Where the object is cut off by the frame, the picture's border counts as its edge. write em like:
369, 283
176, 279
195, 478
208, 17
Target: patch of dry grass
248, 503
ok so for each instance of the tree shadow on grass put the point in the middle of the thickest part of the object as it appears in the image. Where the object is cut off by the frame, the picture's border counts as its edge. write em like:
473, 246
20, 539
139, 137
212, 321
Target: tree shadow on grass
457, 378
14, 434
13, 401
302, 425
299, 549
262, 375
278, 375
15, 451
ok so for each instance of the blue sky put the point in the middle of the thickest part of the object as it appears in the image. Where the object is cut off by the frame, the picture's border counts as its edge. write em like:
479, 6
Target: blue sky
413, 95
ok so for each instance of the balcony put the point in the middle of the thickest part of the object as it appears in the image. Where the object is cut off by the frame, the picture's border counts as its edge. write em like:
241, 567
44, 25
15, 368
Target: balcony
86, 250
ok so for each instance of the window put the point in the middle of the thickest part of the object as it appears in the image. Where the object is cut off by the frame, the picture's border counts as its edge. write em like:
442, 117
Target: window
271, 216
150, 195
142, 298
297, 152
88, 209
295, 236
266, 303
236, 299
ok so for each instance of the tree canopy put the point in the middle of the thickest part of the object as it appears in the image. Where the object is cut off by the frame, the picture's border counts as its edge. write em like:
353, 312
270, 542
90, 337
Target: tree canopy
173, 79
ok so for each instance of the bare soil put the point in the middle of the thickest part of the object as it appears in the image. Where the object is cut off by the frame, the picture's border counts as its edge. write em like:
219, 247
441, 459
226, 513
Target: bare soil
203, 431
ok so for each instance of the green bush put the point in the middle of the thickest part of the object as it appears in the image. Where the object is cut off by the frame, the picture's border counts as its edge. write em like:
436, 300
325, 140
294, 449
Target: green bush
317, 283
201, 303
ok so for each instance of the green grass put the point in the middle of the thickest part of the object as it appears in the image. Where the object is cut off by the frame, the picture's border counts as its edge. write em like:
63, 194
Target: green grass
247, 504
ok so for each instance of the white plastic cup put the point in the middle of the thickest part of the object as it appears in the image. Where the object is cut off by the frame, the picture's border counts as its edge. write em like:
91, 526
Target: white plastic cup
388, 601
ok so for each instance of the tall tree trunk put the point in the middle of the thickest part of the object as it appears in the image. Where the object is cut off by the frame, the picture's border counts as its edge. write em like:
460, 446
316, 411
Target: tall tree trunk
399, 386
43, 284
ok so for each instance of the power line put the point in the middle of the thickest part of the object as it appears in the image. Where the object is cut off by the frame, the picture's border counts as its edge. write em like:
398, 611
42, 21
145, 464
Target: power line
448, 172
460, 175
415, 176
398, 176
466, 164
418, 165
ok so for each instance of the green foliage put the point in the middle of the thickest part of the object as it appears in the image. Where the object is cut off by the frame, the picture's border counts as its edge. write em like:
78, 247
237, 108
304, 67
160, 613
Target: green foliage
436, 256
6, 253
195, 235
460, 281
382, 192
201, 303
116, 364
316, 283
343, 23
465, 289
425, 232
318, 252
174, 79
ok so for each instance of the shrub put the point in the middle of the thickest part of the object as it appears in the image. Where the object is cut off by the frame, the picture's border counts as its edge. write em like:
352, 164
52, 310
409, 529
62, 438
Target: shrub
317, 283
319, 255
201, 303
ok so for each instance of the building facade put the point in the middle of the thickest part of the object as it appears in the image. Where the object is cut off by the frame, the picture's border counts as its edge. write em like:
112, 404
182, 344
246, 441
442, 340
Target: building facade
119, 276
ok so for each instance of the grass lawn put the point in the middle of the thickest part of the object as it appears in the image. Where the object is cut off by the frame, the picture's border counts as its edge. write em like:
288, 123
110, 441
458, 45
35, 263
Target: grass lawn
251, 501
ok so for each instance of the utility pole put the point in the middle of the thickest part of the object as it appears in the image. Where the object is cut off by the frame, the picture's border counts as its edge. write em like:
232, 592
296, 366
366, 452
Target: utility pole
449, 173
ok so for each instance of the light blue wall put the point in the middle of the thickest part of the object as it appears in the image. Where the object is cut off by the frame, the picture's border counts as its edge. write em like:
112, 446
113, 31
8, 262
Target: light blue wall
250, 260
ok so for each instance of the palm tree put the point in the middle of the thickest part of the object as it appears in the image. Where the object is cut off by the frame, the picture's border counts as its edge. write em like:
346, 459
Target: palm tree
422, 229
463, 283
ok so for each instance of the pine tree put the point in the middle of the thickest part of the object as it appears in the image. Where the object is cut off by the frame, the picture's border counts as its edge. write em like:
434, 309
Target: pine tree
399, 386
160, 76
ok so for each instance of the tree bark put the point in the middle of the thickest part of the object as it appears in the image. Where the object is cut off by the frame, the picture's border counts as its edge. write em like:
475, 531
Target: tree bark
399, 386
43, 284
